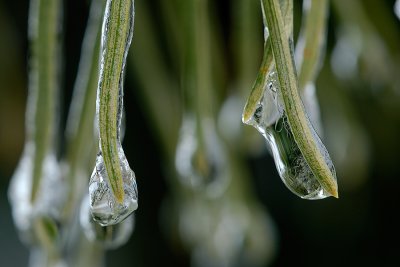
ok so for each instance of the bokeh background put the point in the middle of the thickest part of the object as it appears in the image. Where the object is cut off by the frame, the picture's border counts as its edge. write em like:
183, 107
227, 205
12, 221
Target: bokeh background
359, 94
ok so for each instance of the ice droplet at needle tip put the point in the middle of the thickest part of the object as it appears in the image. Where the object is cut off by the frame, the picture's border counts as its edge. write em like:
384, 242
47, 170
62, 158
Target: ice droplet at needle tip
112, 187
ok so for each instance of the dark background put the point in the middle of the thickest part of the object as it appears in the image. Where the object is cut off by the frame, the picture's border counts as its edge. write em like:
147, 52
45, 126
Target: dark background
361, 228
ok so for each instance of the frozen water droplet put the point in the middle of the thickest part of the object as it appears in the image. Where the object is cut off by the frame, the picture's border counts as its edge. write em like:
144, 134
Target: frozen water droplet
104, 207
111, 236
201, 163
290, 163
50, 196
270, 120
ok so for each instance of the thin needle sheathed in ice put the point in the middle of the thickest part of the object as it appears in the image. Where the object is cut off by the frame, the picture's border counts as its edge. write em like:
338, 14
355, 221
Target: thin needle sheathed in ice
310, 145
266, 111
112, 187
269, 119
36, 190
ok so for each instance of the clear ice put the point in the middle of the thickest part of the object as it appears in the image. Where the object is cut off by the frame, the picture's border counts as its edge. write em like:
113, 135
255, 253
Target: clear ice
290, 163
200, 159
270, 120
268, 109
111, 236
104, 207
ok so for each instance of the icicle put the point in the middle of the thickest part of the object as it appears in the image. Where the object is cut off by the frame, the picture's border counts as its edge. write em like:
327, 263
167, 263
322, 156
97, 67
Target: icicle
112, 187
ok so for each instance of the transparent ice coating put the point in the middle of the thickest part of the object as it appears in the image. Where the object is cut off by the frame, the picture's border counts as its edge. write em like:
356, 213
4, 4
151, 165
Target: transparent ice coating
200, 159
104, 207
49, 199
290, 163
268, 109
111, 236
270, 120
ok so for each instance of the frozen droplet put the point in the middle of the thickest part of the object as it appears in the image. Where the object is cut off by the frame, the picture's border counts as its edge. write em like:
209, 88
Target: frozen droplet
290, 163
270, 120
200, 160
111, 236
105, 208
49, 198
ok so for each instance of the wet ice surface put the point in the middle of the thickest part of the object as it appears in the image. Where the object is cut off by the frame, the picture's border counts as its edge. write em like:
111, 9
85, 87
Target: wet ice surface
268, 109
290, 163
111, 236
201, 164
104, 207
270, 120
49, 199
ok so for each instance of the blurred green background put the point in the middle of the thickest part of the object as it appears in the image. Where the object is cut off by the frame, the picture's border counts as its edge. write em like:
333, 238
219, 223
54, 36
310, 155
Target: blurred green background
359, 94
